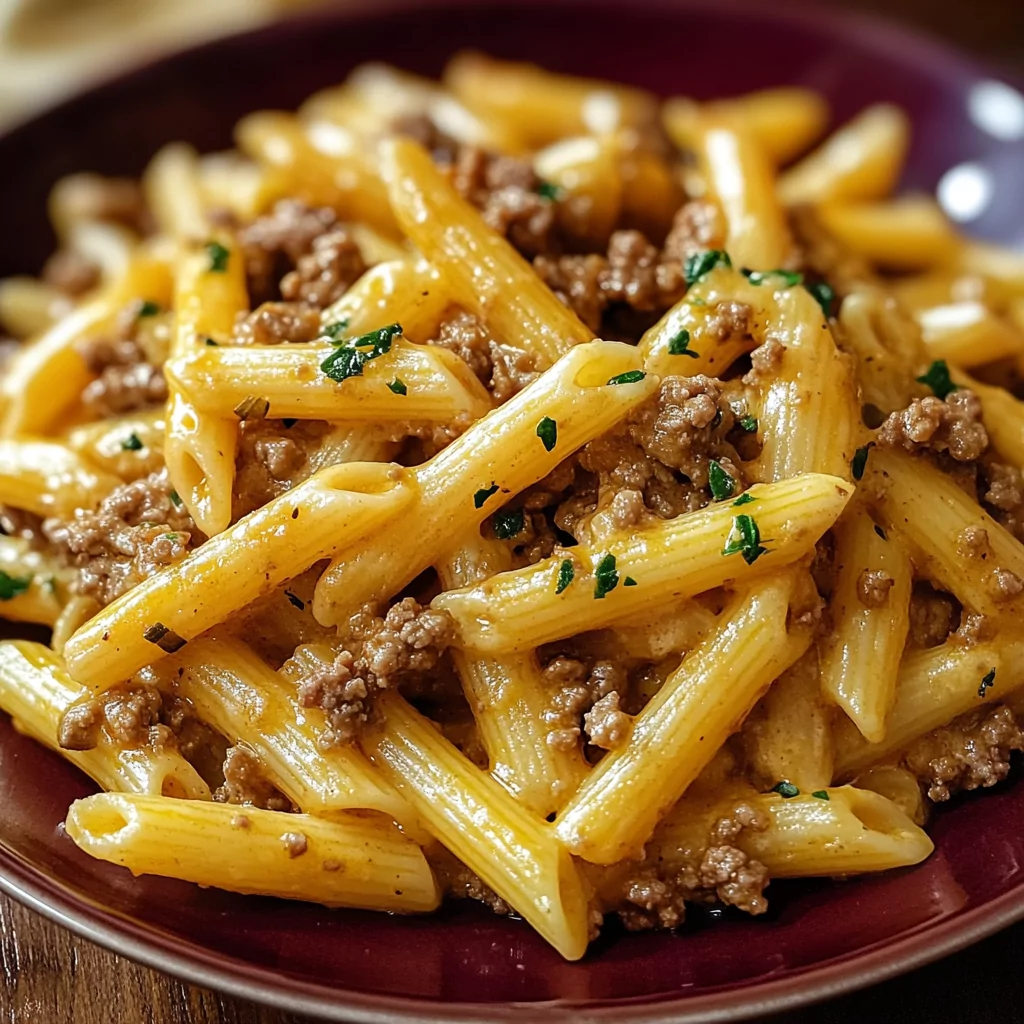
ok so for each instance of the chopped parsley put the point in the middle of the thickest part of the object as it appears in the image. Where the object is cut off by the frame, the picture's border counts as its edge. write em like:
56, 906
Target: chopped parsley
288, 423
176, 499
629, 582
336, 330
354, 353
880, 532
548, 190
824, 294
820, 794
164, 637
295, 600
149, 308
481, 496
11, 586
629, 377
987, 683
744, 539
212, 343
786, 789
859, 461
132, 443
749, 424
790, 277
937, 378
680, 345
252, 407
219, 256
722, 484
398, 386
566, 574
508, 523
702, 263
606, 579
744, 499
547, 431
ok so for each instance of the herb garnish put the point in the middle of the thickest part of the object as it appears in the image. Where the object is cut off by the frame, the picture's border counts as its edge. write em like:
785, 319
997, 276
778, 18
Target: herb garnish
11, 586
164, 637
824, 294
744, 539
759, 277
252, 407
786, 789
508, 523
821, 794
566, 574
859, 461
132, 443
744, 499
219, 256
481, 496
398, 386
548, 190
547, 431
295, 600
334, 331
937, 378
749, 424
722, 484
149, 308
354, 353
629, 377
606, 579
212, 343
679, 345
986, 683
629, 582
702, 263
176, 499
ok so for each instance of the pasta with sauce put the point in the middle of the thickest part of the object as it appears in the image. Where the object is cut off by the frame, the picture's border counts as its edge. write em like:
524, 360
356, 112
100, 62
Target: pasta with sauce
516, 488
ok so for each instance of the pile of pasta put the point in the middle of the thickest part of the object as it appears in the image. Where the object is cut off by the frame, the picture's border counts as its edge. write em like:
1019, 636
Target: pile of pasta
881, 305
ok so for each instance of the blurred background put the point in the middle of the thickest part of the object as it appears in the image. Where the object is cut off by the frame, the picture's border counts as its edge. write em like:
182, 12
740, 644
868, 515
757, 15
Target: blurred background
50, 48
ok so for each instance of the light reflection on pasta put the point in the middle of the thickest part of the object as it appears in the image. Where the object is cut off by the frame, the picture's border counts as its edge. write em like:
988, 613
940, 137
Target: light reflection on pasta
516, 488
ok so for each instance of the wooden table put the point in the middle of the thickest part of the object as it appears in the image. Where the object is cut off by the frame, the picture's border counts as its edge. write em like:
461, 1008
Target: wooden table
48, 976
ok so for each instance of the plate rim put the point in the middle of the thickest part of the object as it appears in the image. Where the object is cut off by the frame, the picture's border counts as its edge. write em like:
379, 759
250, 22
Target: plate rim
45, 894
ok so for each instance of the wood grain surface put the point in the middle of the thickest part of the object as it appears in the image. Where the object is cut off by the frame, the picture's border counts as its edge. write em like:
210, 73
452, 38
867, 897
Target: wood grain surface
49, 976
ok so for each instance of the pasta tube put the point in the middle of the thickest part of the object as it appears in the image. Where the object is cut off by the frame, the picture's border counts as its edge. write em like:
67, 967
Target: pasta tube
348, 862
516, 854
968, 334
231, 570
1003, 416
511, 448
49, 479
30, 580
36, 690
517, 610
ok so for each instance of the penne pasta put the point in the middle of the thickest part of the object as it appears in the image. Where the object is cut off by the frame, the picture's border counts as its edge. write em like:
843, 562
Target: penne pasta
49, 478
968, 334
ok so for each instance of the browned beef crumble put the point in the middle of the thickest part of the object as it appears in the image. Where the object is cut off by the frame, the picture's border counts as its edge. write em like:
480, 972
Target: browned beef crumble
1003, 493
697, 227
295, 843
973, 751
577, 690
325, 273
606, 725
973, 542
270, 460
274, 323
933, 615
952, 425
765, 361
459, 882
402, 646
245, 783
576, 280
71, 273
873, 588
137, 531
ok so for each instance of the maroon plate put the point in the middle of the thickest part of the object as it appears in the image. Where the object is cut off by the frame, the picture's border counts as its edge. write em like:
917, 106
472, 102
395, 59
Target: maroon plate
819, 939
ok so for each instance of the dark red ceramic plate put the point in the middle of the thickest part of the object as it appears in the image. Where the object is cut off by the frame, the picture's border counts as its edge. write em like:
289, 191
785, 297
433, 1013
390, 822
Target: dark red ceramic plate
819, 939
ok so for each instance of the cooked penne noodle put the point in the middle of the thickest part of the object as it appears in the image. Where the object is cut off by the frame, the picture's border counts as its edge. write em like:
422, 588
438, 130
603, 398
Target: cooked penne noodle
515, 853
36, 691
495, 459
968, 334
1003, 416
49, 478
517, 610
682, 727
34, 585
346, 862
231, 570
29, 306
128, 447
174, 193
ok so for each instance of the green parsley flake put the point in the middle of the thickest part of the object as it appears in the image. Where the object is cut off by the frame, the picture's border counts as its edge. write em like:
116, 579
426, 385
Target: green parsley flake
986, 683
859, 461
212, 343
824, 294
354, 353
547, 431
937, 378
744, 539
548, 190
149, 308
164, 637
172, 537
722, 484
680, 345
790, 278
749, 424
702, 263
481, 496
219, 256
629, 377
132, 443
566, 574
288, 423
786, 790
744, 499
11, 586
606, 579
398, 386
176, 499
295, 600
629, 582
820, 794
335, 331
509, 523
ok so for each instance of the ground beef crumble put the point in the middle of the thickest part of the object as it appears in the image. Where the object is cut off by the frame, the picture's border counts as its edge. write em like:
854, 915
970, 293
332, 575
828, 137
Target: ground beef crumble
873, 588
933, 615
274, 323
459, 882
578, 703
245, 783
952, 425
138, 530
1003, 493
973, 751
